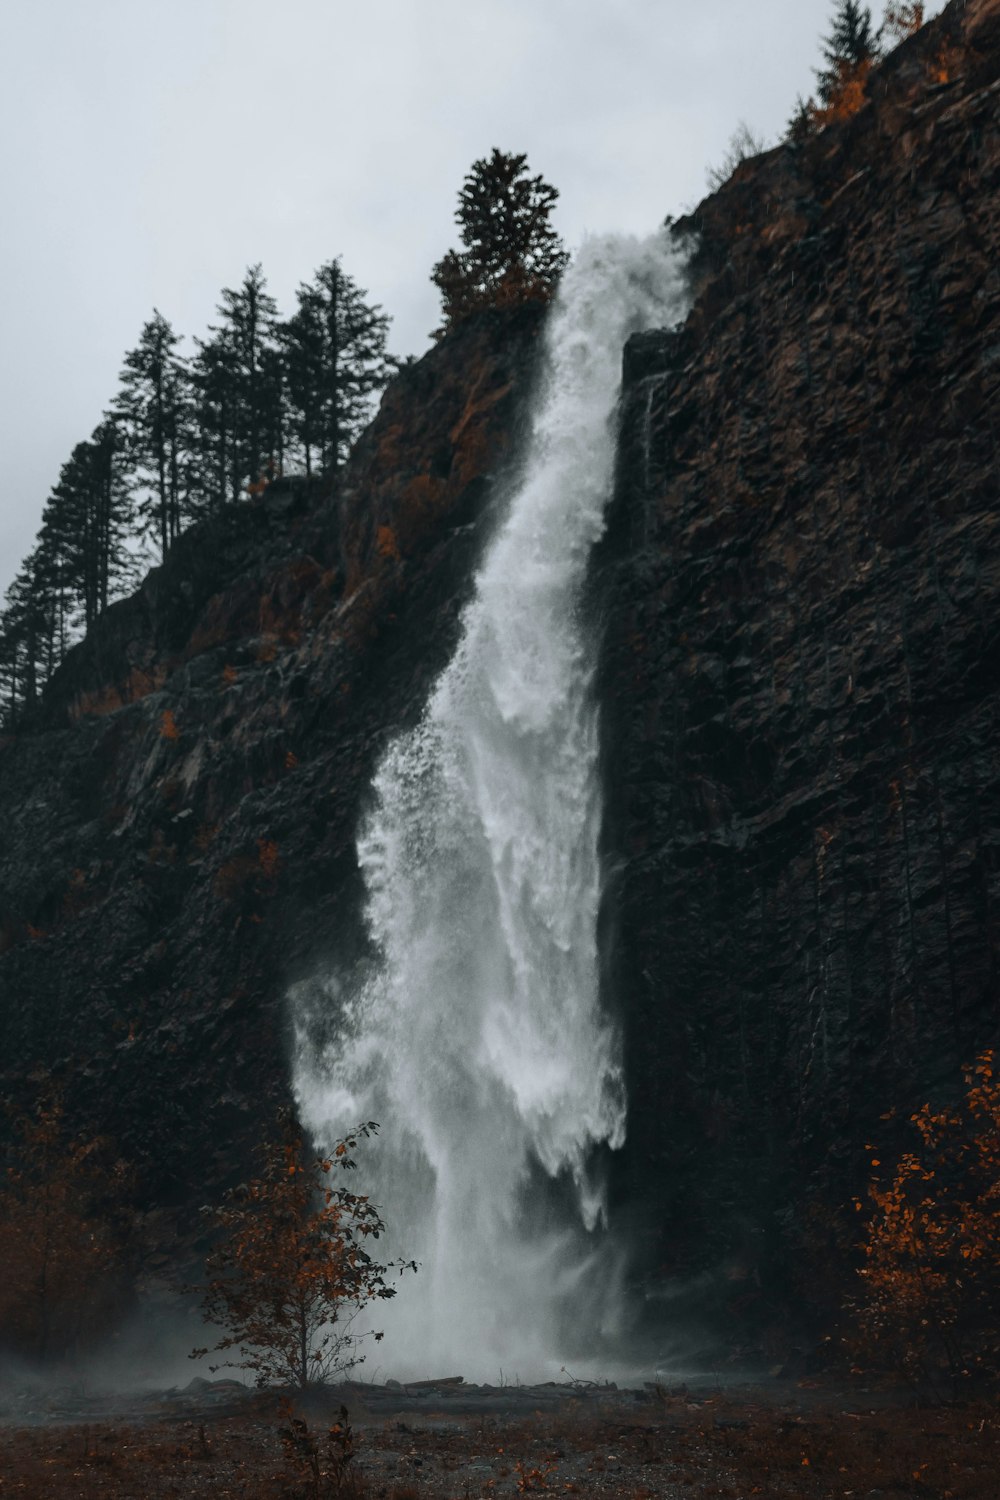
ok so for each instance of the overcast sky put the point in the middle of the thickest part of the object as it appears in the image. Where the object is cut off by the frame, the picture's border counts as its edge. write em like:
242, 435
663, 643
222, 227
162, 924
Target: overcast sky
153, 149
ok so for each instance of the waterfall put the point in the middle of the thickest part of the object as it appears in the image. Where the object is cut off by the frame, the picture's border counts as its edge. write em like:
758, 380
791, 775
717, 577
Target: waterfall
478, 1042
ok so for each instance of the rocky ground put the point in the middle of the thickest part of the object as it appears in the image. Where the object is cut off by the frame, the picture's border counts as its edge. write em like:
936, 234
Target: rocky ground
445, 1440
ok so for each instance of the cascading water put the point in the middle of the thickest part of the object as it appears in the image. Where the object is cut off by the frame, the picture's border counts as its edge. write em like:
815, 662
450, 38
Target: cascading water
478, 1043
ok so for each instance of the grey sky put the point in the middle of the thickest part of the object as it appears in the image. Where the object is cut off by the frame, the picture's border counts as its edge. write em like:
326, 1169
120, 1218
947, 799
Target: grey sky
152, 149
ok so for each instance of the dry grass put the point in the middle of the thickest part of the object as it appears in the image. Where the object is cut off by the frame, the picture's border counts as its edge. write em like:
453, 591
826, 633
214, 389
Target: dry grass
721, 1448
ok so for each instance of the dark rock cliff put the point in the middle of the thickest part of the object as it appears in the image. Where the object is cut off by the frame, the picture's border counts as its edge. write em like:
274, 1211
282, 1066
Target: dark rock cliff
179, 825
801, 587
800, 598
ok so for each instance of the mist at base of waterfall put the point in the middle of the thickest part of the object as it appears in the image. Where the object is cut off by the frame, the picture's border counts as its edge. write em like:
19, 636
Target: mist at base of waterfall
478, 1039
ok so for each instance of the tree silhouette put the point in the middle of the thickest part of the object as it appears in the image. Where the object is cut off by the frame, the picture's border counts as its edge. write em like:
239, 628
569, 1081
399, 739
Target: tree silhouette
28, 630
87, 519
512, 253
64, 1232
291, 1270
803, 121
215, 412
304, 343
336, 360
152, 404
849, 51
180, 438
235, 388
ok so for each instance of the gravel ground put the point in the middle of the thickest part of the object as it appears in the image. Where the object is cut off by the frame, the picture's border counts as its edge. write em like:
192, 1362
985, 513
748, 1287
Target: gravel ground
456, 1442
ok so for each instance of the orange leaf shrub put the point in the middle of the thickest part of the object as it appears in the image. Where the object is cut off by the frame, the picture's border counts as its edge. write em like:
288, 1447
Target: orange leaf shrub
64, 1232
386, 543
291, 1271
848, 94
902, 20
930, 1302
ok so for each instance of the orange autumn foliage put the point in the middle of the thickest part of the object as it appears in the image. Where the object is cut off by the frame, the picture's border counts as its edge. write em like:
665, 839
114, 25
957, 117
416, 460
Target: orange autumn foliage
64, 1230
902, 20
291, 1270
930, 1302
386, 543
168, 725
944, 64
848, 94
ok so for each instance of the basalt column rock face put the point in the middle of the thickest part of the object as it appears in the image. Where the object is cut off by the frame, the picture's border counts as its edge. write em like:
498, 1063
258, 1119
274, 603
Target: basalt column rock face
801, 671
179, 820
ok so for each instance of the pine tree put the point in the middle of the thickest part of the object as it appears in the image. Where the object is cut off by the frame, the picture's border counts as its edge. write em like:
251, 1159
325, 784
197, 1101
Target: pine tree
247, 331
336, 360
355, 363
52, 583
802, 123
152, 403
274, 409
512, 253
180, 438
26, 629
303, 344
215, 402
849, 50
88, 518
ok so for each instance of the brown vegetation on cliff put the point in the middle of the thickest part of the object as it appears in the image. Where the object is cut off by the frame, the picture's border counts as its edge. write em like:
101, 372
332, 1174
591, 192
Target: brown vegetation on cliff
179, 816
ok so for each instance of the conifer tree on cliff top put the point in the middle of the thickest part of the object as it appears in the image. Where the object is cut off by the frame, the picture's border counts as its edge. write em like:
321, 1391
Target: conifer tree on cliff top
234, 387
152, 405
512, 253
336, 362
850, 45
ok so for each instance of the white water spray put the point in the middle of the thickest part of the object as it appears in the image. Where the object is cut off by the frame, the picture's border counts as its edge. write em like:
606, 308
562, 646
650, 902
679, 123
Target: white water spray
479, 1043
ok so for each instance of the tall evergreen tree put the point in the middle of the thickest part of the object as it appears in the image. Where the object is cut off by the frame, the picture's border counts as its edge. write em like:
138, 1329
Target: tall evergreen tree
355, 362
52, 575
274, 409
247, 334
26, 630
335, 352
512, 253
153, 405
850, 46
803, 122
216, 414
182, 436
87, 518
303, 344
